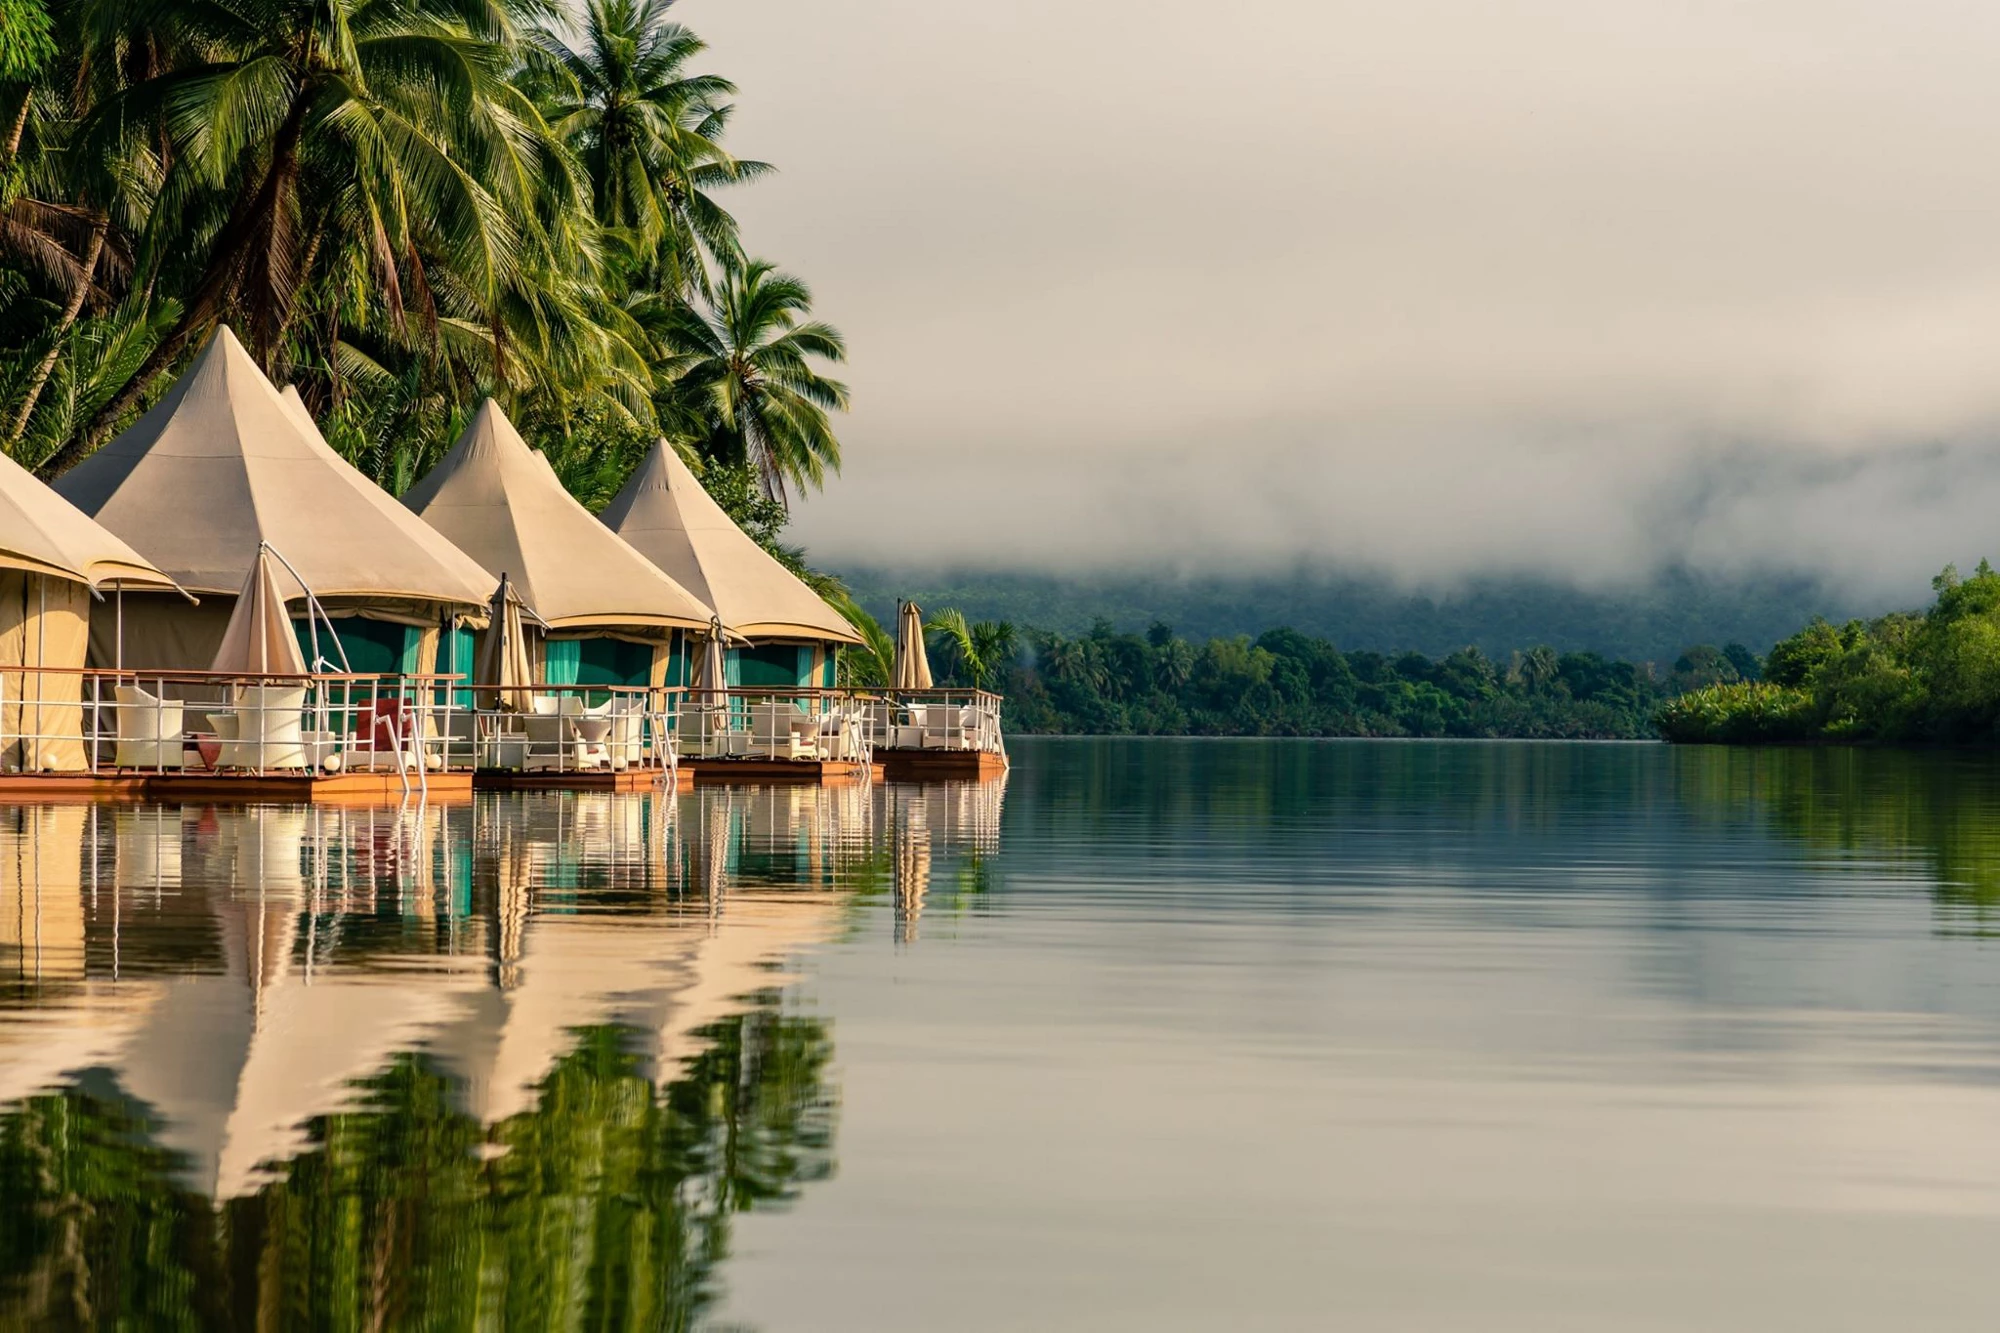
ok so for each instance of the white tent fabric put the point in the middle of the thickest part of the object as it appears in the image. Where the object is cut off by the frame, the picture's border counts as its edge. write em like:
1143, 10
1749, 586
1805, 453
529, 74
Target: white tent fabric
664, 512
221, 464
501, 502
42, 533
259, 638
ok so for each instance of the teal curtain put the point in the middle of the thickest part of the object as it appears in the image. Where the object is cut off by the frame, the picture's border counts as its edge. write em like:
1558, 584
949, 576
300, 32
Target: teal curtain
561, 660
772, 665
456, 656
373, 646
614, 662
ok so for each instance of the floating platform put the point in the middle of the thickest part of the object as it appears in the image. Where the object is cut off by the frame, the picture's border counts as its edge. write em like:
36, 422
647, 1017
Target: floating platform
716, 772
631, 779
940, 765
247, 788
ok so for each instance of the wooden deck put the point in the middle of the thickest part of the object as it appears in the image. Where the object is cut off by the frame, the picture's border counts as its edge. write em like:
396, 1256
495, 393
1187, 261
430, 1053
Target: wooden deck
716, 772
248, 788
940, 765
631, 779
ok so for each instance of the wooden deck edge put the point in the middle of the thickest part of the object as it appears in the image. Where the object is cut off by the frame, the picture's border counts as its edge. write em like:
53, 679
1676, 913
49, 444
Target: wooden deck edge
716, 772
940, 765
631, 779
288, 788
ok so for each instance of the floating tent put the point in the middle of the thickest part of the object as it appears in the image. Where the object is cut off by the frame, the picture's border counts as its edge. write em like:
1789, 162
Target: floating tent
53, 559
221, 465
664, 512
501, 502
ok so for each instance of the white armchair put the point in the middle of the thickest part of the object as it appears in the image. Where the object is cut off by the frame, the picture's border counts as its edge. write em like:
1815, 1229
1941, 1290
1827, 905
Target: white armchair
149, 730
781, 731
270, 727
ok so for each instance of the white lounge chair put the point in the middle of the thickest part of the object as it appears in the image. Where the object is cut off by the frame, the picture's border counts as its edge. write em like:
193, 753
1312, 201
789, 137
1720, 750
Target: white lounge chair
781, 731
270, 726
149, 730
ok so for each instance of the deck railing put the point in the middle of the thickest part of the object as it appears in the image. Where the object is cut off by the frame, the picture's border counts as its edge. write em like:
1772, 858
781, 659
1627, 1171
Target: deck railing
69, 720
936, 719
564, 729
778, 722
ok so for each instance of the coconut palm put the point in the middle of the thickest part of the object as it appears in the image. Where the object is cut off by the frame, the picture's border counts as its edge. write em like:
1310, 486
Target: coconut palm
614, 85
384, 129
744, 371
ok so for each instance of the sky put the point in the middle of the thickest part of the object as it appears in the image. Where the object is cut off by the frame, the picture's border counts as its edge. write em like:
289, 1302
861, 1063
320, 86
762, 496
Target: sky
1431, 288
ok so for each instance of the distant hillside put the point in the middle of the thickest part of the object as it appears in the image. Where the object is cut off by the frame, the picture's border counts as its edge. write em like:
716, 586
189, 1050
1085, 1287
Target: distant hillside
1650, 624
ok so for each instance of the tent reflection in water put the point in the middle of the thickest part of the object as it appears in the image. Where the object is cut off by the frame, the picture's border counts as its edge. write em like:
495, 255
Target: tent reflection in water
56, 563
223, 464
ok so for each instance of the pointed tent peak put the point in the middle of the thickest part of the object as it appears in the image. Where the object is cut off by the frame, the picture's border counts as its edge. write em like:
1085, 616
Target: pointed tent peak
225, 461
665, 512
501, 501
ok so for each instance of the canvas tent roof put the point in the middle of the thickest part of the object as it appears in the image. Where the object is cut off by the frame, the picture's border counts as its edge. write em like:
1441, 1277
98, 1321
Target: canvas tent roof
664, 512
221, 464
42, 533
500, 501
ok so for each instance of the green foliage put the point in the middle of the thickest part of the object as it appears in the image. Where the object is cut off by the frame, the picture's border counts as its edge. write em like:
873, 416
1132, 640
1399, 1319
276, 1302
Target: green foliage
1739, 713
402, 207
25, 44
608, 1204
1284, 683
1932, 678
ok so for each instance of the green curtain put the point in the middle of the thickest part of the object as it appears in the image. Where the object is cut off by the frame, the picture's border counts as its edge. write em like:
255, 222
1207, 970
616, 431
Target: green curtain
561, 660
373, 646
614, 662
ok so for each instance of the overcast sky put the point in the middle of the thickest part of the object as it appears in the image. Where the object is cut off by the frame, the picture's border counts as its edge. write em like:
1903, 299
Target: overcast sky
1428, 286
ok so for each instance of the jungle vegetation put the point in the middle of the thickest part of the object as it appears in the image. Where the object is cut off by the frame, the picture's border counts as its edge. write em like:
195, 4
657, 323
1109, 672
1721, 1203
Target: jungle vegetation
1928, 678
1284, 683
401, 206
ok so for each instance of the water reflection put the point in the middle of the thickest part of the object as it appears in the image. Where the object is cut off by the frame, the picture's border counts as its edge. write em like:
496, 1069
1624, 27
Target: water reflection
513, 1062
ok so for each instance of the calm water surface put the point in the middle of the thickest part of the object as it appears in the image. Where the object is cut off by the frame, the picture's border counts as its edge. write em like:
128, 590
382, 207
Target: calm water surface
1152, 1035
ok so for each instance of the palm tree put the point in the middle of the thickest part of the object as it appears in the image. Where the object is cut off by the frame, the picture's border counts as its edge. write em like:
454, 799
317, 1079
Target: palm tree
381, 129
614, 85
744, 373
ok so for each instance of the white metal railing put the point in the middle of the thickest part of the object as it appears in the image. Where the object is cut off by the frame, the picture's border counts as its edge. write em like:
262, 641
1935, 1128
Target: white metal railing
564, 729
771, 723
66, 720
937, 719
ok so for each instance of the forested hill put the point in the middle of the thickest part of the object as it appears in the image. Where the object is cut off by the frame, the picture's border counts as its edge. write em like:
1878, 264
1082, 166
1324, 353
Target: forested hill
1650, 624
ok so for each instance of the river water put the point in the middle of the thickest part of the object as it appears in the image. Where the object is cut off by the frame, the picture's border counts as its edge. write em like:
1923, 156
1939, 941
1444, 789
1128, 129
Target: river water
1152, 1034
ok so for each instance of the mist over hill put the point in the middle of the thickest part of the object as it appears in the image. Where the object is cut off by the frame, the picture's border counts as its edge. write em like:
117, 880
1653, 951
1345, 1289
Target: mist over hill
1652, 622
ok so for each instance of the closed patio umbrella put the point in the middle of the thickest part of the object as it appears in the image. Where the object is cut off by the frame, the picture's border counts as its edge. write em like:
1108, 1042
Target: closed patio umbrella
258, 640
913, 663
501, 669
710, 675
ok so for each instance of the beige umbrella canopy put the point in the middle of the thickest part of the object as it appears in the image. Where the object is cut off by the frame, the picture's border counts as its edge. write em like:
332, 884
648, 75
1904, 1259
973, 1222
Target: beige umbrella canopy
664, 512
502, 662
221, 464
259, 640
502, 503
711, 675
913, 661
42, 533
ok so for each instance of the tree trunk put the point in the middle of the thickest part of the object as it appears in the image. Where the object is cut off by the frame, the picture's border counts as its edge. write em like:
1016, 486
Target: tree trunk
20, 124
225, 266
40, 378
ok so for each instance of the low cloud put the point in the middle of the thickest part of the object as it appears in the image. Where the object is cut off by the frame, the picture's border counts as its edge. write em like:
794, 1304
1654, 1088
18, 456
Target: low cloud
1438, 289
